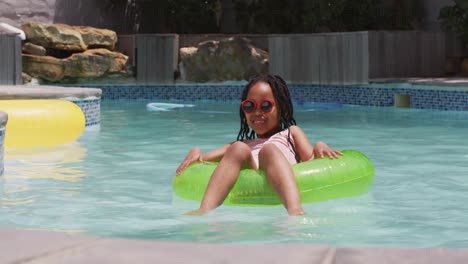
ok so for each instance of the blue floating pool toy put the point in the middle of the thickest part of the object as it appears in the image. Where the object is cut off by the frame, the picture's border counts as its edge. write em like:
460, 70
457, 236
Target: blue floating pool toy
165, 107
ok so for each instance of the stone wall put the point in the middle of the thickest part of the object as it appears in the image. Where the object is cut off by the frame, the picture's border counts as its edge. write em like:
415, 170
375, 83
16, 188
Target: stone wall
17, 12
100, 14
113, 15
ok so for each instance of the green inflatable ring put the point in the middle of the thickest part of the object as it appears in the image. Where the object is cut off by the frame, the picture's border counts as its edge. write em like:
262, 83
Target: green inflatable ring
318, 180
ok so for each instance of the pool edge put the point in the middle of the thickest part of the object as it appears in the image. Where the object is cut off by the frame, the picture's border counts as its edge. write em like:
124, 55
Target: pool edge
36, 246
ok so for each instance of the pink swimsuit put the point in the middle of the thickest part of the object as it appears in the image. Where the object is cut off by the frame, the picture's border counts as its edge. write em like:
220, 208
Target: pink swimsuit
280, 140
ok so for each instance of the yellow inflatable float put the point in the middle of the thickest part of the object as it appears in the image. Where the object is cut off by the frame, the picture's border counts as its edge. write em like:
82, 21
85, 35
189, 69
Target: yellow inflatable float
42, 122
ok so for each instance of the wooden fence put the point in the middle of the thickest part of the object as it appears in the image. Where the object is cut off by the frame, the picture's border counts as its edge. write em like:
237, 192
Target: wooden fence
406, 54
155, 56
331, 58
356, 57
320, 58
10, 60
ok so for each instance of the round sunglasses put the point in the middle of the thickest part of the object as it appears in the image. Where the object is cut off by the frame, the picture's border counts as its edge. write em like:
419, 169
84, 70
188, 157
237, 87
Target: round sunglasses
249, 106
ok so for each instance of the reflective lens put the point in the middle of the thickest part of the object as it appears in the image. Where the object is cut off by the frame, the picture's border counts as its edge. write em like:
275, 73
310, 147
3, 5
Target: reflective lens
266, 106
249, 106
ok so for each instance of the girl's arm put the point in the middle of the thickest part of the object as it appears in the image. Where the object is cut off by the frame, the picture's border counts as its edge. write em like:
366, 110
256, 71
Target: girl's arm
321, 148
196, 154
306, 151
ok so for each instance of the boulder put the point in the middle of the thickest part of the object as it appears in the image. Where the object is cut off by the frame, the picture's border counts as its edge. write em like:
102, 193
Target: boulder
27, 79
89, 64
56, 51
115, 60
65, 37
228, 59
94, 63
81, 65
34, 49
54, 36
45, 67
98, 38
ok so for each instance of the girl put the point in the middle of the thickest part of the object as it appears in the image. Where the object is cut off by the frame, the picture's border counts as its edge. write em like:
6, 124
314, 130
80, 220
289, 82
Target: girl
268, 140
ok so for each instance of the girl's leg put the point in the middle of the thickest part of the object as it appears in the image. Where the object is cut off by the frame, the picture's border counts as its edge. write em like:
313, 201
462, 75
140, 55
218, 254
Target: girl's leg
280, 175
237, 157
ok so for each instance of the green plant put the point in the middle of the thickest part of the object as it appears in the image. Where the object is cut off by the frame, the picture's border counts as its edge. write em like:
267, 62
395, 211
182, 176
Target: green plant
455, 19
309, 16
172, 16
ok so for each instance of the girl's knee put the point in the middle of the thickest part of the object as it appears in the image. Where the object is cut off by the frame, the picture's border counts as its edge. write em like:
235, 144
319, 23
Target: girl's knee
270, 153
268, 150
239, 145
238, 150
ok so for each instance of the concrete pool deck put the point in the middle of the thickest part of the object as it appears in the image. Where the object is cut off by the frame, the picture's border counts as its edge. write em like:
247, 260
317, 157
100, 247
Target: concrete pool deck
29, 246
449, 84
38, 246
10, 92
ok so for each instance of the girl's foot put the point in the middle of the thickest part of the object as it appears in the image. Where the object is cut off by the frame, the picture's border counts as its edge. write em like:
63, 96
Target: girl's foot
197, 212
296, 211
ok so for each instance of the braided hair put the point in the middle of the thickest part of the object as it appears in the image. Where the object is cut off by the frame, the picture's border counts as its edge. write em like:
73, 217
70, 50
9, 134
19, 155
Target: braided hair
283, 103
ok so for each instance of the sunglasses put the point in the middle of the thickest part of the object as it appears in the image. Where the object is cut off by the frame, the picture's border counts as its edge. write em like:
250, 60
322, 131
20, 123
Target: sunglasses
249, 106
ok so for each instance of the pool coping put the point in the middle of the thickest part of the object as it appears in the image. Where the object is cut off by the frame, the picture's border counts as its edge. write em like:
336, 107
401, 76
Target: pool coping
37, 246
15, 92
437, 83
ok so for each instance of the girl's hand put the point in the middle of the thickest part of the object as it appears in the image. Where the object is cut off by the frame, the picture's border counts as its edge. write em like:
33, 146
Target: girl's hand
321, 149
194, 155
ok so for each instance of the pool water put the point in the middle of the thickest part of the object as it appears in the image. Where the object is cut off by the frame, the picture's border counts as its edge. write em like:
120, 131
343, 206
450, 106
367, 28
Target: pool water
118, 181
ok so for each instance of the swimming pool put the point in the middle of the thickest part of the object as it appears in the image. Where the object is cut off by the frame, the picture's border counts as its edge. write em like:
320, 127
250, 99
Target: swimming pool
118, 181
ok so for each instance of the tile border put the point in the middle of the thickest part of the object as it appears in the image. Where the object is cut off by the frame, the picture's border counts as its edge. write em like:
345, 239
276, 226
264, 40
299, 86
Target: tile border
420, 97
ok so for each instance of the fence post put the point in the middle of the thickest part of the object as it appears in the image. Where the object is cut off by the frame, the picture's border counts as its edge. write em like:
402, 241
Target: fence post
328, 58
11, 65
156, 58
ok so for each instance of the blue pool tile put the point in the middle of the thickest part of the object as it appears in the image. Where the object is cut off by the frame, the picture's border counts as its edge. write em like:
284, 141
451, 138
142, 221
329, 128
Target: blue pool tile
356, 94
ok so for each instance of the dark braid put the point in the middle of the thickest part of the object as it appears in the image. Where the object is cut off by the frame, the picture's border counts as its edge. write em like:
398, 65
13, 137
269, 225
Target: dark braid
283, 103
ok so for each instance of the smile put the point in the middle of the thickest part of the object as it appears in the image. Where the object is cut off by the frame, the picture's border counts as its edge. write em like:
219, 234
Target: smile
258, 122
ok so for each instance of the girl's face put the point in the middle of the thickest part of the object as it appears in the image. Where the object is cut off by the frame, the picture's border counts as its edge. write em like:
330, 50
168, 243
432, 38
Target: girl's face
264, 124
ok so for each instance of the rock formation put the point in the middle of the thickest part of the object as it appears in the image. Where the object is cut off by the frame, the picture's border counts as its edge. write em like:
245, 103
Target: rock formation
228, 59
55, 51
